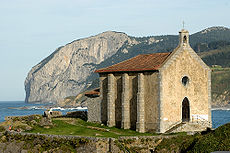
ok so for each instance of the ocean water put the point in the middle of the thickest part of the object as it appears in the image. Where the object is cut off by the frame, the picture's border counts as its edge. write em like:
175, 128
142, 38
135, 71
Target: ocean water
20, 108
220, 117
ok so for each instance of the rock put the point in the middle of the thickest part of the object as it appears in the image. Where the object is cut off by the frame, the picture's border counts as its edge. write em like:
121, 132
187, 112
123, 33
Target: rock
78, 114
33, 122
46, 121
64, 73
68, 71
47, 127
3, 138
50, 114
24, 151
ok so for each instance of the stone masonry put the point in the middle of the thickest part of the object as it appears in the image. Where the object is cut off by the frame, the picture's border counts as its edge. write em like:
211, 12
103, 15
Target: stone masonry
157, 92
111, 101
125, 102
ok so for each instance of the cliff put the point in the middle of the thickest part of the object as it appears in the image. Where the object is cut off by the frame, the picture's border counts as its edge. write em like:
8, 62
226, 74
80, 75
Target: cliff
65, 71
68, 71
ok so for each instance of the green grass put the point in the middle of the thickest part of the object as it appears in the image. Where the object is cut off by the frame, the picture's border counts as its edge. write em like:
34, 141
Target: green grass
217, 140
71, 126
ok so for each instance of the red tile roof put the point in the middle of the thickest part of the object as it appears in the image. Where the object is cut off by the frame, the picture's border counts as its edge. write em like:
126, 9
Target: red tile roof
143, 62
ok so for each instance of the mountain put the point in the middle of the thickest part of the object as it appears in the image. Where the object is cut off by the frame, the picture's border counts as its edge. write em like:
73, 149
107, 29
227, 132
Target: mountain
69, 70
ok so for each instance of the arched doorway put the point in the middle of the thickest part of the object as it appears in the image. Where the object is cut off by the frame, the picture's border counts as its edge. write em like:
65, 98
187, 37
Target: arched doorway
185, 110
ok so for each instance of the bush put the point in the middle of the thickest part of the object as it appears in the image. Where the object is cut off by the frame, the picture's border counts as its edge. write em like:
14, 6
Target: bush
2, 129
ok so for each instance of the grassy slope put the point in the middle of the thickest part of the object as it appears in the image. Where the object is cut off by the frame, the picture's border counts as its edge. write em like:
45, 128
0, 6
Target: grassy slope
212, 141
71, 126
216, 140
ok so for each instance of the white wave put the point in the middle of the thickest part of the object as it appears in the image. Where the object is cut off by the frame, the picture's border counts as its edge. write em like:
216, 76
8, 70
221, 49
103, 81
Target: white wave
36, 108
62, 109
57, 108
82, 108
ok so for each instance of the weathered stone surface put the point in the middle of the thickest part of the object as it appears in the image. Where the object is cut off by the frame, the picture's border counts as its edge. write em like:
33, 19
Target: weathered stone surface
178, 91
49, 113
16, 142
77, 114
46, 121
184, 62
140, 104
65, 71
111, 101
125, 102
94, 109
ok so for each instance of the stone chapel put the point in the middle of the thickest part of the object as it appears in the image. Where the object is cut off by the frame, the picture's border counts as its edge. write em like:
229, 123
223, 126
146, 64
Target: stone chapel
157, 92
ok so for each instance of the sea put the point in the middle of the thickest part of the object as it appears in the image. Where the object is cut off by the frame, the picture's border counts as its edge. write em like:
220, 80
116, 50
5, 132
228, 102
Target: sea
20, 108
220, 116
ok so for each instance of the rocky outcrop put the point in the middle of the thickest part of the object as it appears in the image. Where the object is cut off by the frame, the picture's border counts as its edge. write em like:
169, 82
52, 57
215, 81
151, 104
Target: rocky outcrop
221, 100
64, 72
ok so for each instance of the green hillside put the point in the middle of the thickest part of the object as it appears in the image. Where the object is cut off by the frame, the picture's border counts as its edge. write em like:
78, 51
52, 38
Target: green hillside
220, 86
220, 56
212, 38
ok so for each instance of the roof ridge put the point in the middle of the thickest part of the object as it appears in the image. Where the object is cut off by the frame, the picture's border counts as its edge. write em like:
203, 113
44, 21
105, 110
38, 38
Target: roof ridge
156, 53
117, 63
141, 62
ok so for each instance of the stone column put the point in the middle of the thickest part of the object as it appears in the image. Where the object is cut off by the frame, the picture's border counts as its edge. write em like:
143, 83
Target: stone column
111, 101
125, 102
140, 126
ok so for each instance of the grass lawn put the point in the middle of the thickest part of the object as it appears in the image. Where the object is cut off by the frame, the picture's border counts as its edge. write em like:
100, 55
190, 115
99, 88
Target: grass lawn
73, 126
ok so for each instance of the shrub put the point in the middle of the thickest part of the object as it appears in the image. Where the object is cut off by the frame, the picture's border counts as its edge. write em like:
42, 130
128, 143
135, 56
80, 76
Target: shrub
2, 129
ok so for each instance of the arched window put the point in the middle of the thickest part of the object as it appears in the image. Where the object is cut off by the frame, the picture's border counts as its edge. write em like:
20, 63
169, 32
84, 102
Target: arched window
185, 80
184, 39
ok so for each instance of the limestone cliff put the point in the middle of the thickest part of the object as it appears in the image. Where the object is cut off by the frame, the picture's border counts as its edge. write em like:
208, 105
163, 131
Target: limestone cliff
65, 71
69, 70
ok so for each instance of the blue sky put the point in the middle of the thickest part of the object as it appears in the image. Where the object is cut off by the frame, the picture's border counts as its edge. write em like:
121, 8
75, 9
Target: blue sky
31, 30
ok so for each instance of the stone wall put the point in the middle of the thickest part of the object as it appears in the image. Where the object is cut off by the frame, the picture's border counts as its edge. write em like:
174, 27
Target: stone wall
151, 101
133, 99
132, 77
184, 62
104, 90
78, 114
94, 109
118, 94
151, 86
28, 142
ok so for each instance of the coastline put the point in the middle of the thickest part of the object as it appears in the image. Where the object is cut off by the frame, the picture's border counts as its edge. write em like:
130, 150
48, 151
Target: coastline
217, 107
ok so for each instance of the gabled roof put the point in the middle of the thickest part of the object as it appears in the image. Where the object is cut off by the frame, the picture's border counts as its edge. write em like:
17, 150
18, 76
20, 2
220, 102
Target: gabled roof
143, 62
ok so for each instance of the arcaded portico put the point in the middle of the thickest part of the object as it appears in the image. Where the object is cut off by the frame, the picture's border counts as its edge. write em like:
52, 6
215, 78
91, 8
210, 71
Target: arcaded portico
158, 92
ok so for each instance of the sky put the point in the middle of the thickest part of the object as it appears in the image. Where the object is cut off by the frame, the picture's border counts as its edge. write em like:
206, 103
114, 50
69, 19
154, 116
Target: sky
32, 30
